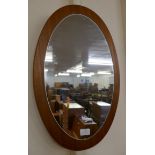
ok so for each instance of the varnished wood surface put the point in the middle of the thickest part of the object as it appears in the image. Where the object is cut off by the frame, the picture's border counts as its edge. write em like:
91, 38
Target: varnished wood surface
52, 126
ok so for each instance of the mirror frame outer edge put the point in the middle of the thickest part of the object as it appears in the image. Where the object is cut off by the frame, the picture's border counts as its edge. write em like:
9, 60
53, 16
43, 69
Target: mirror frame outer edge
53, 128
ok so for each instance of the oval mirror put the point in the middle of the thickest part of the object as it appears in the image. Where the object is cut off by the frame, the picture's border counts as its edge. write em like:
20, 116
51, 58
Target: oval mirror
76, 77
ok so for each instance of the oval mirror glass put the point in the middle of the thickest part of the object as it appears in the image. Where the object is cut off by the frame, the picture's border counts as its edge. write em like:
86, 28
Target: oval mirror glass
79, 76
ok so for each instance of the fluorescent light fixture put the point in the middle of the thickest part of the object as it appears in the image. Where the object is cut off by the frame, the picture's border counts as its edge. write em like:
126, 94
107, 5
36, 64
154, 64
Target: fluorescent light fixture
74, 71
87, 74
78, 67
100, 61
78, 76
102, 64
46, 70
63, 74
92, 73
49, 57
55, 75
48, 60
103, 72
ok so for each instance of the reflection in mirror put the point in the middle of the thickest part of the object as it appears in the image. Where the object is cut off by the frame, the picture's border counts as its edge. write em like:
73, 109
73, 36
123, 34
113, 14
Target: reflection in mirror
79, 77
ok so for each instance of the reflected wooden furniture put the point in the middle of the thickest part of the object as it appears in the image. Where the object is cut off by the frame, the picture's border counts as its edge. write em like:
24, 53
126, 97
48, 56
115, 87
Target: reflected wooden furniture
50, 94
79, 126
70, 112
100, 111
59, 117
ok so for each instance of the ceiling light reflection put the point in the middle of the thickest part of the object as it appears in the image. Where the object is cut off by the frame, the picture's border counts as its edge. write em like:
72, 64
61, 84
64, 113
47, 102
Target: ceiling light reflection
100, 61
74, 71
88, 74
104, 72
63, 74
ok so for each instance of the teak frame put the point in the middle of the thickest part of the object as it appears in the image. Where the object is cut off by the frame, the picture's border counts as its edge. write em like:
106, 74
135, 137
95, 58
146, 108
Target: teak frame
39, 87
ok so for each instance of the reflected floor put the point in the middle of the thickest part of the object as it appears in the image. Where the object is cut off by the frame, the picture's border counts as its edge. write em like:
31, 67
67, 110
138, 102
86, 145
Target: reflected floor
79, 114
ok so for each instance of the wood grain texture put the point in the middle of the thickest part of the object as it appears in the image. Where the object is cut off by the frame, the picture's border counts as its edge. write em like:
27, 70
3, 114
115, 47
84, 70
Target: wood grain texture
52, 126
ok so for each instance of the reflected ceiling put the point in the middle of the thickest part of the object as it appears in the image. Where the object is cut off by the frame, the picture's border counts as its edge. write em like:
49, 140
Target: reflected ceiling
74, 43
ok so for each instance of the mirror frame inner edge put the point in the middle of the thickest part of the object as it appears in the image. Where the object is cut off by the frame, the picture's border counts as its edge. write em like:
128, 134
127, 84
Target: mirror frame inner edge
53, 128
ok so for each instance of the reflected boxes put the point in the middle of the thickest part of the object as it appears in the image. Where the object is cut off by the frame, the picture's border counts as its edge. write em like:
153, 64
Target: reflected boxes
83, 129
72, 121
61, 84
100, 111
74, 110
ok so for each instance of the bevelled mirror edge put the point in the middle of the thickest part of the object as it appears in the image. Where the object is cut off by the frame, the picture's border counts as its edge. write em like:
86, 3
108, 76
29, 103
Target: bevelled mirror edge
38, 79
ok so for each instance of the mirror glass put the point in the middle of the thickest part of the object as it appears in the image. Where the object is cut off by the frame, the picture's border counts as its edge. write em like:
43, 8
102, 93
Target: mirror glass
79, 76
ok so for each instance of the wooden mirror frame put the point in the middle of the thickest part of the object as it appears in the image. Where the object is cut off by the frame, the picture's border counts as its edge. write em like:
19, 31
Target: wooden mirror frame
52, 126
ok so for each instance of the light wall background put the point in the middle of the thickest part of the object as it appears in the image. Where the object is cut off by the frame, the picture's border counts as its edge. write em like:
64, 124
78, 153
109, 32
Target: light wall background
103, 81
113, 14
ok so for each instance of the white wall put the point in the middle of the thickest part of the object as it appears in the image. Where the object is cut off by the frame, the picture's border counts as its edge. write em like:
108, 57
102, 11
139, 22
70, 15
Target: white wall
102, 80
40, 143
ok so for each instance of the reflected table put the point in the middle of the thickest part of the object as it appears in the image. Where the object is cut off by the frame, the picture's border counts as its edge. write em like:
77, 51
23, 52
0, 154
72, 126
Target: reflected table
100, 111
82, 129
69, 113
